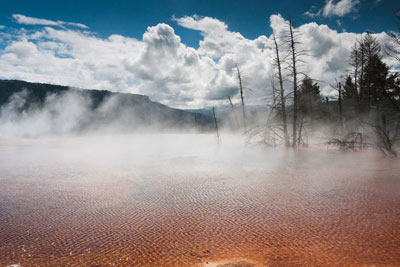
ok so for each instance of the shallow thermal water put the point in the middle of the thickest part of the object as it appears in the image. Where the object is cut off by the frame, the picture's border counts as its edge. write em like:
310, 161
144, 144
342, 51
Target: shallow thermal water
184, 200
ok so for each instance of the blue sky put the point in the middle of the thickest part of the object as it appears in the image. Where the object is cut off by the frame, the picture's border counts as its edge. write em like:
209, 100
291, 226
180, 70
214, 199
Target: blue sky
250, 17
182, 53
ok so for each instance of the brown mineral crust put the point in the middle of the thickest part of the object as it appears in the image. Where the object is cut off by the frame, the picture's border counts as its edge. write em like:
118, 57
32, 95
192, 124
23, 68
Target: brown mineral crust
285, 216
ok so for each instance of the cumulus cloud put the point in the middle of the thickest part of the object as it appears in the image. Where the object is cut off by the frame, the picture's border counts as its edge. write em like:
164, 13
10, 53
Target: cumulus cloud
2, 27
339, 9
21, 19
168, 71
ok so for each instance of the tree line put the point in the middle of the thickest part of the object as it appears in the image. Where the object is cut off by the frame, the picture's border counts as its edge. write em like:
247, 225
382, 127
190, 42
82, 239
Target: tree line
365, 113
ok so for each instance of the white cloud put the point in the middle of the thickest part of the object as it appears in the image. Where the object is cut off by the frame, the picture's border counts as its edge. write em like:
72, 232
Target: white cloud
339, 9
164, 68
217, 39
311, 14
21, 19
2, 27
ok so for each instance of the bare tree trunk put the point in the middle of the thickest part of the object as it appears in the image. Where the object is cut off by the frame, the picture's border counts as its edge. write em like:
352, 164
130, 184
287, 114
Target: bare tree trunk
355, 62
196, 123
384, 143
340, 105
234, 113
362, 93
300, 130
216, 124
395, 132
356, 87
282, 94
293, 52
273, 92
241, 96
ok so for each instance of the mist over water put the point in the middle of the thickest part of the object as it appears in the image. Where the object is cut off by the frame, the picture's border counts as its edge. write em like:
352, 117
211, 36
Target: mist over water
73, 112
94, 184
100, 186
194, 145
189, 200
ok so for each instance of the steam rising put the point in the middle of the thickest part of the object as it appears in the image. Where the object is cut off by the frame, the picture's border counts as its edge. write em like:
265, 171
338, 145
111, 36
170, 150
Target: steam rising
75, 112
61, 114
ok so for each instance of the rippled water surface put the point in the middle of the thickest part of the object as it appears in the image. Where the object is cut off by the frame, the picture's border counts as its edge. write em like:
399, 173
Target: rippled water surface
184, 200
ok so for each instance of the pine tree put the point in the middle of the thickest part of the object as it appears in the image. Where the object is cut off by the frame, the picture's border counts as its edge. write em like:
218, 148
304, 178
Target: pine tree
374, 80
349, 90
309, 96
369, 73
371, 58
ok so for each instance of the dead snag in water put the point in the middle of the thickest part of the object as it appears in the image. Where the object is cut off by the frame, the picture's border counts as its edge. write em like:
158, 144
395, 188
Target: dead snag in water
282, 92
234, 113
196, 123
294, 73
394, 138
241, 95
339, 88
384, 143
215, 121
295, 54
351, 141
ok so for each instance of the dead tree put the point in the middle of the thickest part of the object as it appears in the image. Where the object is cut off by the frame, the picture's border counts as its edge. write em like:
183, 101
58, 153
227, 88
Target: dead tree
355, 62
196, 123
394, 138
216, 123
241, 95
294, 73
392, 48
361, 95
351, 141
273, 92
373, 134
383, 142
282, 92
234, 112
339, 87
301, 130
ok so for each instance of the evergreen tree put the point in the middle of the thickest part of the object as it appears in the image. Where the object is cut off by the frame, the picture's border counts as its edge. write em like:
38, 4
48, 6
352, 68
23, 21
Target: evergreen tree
393, 85
374, 81
370, 73
309, 96
349, 89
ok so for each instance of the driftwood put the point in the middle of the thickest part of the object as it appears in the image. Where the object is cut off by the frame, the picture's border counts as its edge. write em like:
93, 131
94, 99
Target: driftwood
269, 134
351, 141
355, 141
384, 143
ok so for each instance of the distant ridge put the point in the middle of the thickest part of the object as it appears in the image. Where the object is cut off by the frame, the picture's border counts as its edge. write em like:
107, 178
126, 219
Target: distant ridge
129, 110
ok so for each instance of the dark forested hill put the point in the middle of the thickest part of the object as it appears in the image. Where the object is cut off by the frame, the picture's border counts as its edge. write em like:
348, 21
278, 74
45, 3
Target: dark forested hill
97, 108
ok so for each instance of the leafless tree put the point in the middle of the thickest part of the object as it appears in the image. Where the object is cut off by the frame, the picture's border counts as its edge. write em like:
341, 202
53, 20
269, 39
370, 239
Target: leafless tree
216, 123
294, 54
234, 112
392, 48
355, 61
282, 92
340, 98
239, 75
